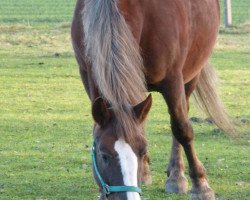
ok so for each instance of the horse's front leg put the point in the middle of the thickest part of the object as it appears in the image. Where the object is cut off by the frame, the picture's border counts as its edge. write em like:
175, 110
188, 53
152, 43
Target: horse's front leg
174, 94
176, 182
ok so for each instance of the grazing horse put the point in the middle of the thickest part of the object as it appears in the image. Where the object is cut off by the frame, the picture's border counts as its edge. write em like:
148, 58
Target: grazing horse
127, 47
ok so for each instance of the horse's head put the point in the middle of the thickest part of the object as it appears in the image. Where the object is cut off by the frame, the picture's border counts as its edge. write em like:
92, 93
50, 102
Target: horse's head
118, 163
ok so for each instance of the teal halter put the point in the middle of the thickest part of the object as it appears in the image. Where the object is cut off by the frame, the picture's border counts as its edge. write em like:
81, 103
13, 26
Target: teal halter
106, 189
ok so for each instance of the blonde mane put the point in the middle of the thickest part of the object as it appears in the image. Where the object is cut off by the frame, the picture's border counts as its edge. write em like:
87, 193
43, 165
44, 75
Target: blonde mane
117, 66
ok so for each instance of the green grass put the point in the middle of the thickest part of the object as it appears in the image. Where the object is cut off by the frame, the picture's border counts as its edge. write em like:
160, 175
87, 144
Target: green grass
36, 12
46, 126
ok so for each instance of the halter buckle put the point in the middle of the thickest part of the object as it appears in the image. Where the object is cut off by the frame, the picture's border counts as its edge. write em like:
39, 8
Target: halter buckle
106, 189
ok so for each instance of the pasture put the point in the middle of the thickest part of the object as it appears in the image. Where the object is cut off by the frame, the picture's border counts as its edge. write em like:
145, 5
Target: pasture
45, 121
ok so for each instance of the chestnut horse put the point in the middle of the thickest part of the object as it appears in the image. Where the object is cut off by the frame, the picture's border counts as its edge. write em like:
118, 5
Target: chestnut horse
127, 47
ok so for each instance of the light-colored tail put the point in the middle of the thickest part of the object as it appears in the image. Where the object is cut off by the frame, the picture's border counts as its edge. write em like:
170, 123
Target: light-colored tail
117, 66
208, 99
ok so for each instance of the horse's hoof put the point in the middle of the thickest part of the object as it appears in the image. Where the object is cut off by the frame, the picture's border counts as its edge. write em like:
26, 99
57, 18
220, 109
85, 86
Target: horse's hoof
202, 194
177, 185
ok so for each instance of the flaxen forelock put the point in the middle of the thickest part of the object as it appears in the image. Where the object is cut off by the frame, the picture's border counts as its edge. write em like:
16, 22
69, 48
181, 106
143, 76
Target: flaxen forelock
117, 66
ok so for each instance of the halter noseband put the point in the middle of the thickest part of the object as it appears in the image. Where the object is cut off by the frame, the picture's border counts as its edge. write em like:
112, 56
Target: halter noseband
106, 189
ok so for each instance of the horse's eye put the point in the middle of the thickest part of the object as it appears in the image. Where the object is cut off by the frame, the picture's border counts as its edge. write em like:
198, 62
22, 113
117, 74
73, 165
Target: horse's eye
105, 159
142, 152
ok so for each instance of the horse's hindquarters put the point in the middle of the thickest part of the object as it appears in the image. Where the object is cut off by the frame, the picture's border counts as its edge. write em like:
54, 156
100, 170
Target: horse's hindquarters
178, 35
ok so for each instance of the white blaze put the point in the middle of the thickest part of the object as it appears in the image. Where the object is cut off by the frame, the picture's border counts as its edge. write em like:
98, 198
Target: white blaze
129, 166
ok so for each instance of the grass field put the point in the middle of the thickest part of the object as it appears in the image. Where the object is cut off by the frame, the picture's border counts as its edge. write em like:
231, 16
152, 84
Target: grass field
45, 121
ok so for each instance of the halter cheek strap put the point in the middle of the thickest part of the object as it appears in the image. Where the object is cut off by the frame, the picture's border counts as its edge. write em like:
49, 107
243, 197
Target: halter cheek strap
106, 189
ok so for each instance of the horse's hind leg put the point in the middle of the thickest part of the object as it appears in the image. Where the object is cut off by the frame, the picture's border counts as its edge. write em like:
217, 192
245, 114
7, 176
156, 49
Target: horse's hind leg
174, 94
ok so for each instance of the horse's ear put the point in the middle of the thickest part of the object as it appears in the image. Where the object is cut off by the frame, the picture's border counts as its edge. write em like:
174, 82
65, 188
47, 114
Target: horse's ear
141, 110
100, 112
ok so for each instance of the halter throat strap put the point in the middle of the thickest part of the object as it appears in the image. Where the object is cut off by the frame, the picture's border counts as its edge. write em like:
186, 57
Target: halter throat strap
106, 189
